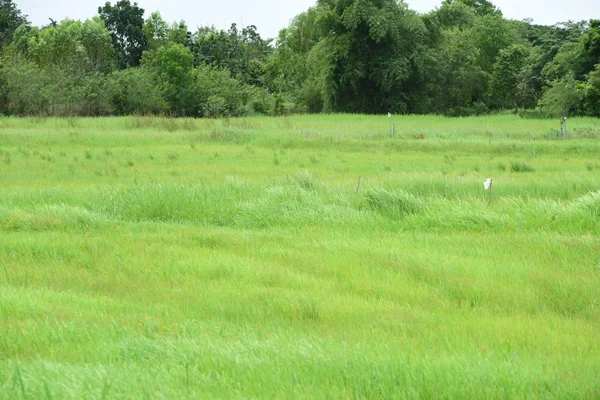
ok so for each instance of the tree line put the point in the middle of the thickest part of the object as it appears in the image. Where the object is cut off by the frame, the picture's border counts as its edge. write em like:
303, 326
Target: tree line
356, 56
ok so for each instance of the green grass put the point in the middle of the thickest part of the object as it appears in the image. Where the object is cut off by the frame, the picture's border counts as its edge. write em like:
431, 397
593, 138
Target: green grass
152, 258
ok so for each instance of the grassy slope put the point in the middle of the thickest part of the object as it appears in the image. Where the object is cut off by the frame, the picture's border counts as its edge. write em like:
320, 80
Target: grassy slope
147, 258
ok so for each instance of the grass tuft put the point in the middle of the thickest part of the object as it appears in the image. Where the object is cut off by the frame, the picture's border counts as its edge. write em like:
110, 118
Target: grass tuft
520, 166
393, 204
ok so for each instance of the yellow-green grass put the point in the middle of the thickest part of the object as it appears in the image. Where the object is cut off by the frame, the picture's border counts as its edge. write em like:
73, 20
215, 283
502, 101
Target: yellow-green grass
153, 258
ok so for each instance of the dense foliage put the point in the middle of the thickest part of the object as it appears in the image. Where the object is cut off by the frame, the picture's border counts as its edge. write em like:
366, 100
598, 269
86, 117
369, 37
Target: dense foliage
360, 56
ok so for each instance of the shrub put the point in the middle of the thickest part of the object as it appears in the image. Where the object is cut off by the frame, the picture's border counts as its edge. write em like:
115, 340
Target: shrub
278, 105
480, 108
134, 92
215, 107
219, 94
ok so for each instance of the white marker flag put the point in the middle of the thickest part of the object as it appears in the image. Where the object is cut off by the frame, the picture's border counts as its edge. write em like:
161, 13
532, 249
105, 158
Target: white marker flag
389, 115
487, 184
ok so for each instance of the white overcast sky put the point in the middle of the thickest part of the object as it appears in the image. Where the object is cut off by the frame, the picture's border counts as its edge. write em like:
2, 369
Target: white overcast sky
272, 15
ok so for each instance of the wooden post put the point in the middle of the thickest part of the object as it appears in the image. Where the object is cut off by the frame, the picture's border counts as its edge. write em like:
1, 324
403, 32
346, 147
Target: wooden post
358, 187
490, 196
393, 130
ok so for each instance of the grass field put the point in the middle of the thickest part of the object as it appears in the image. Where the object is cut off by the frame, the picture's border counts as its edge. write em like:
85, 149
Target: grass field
154, 258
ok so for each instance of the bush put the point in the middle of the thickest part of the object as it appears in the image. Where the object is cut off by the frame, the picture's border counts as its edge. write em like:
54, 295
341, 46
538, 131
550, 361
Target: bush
215, 107
31, 90
459, 112
260, 106
134, 92
310, 96
217, 87
480, 108
535, 114
278, 105
23, 85
173, 70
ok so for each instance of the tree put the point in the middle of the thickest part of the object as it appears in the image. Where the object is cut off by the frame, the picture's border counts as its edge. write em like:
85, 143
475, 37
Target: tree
531, 82
73, 45
159, 33
96, 40
455, 14
218, 94
10, 19
24, 88
256, 52
178, 33
218, 48
135, 92
125, 21
244, 53
173, 66
588, 49
156, 31
66, 63
290, 69
562, 63
563, 97
592, 92
479, 7
364, 54
491, 34
507, 75
462, 81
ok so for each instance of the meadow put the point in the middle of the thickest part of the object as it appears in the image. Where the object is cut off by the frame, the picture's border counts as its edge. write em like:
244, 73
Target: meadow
150, 258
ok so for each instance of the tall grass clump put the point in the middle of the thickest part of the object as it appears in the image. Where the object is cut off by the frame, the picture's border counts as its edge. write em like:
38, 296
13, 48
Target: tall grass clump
426, 186
201, 204
300, 200
140, 122
520, 166
589, 204
225, 135
51, 217
285, 205
393, 204
303, 180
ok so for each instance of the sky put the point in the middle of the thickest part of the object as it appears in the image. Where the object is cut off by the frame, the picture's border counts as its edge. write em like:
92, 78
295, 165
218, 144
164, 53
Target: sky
272, 15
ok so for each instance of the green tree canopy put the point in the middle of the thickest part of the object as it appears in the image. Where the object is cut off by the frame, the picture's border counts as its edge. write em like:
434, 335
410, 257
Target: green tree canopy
156, 31
125, 21
592, 92
360, 56
588, 49
563, 97
79, 46
506, 79
10, 19
173, 65
479, 7
365, 53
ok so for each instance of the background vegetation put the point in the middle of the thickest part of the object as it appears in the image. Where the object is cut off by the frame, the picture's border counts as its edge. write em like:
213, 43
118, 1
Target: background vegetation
359, 56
